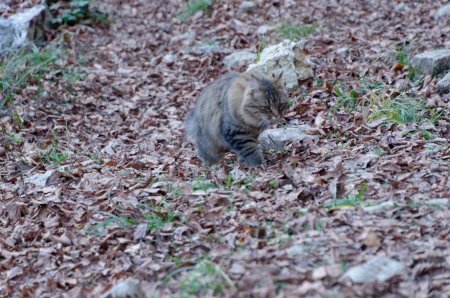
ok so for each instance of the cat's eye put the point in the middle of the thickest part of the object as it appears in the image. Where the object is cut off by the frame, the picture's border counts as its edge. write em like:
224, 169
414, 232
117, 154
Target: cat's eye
265, 109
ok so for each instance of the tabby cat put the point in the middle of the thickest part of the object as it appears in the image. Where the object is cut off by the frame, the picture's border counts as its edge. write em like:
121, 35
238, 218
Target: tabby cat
231, 112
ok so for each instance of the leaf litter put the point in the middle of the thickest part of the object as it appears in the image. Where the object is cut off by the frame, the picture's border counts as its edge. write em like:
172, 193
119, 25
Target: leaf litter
132, 202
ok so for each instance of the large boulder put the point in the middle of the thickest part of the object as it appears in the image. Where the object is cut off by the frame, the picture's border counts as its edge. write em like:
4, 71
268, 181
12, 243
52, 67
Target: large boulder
288, 57
22, 27
432, 62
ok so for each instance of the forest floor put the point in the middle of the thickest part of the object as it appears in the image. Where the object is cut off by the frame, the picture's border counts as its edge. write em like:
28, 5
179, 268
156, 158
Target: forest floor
97, 183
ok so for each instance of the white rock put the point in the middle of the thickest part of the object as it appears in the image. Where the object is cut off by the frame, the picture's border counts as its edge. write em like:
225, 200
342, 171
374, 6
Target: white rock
22, 27
239, 58
439, 202
168, 59
129, 288
443, 12
447, 44
247, 6
288, 57
432, 62
379, 268
264, 29
342, 51
206, 48
273, 139
401, 7
443, 86
39, 179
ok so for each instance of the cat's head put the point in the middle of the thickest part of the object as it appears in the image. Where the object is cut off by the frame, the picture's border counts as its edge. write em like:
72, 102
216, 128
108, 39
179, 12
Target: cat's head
264, 100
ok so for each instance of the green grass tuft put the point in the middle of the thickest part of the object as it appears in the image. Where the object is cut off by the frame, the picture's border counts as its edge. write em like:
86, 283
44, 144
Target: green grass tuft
295, 32
192, 7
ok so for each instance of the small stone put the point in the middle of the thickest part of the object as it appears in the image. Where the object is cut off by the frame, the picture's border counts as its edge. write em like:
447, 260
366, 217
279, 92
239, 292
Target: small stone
443, 12
379, 268
273, 139
168, 59
39, 179
207, 49
401, 7
380, 207
342, 51
2, 152
443, 86
432, 62
247, 6
438, 202
239, 58
264, 29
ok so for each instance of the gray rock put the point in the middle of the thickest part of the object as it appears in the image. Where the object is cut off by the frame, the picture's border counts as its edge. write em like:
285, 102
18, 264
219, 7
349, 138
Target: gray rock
264, 29
288, 57
401, 7
247, 6
443, 86
432, 62
380, 207
342, 51
379, 268
168, 59
443, 12
438, 202
23, 27
39, 179
447, 44
273, 139
239, 58
206, 48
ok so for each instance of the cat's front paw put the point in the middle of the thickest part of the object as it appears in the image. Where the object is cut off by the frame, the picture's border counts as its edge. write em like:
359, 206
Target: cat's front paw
256, 160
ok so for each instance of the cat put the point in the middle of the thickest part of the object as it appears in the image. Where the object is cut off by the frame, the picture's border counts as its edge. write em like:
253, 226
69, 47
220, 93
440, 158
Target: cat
231, 112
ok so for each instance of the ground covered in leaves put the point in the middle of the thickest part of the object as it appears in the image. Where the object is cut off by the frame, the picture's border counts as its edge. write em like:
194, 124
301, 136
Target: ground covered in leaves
97, 183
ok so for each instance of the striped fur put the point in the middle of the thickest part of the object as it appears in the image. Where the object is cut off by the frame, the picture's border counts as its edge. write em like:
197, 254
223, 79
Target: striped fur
231, 112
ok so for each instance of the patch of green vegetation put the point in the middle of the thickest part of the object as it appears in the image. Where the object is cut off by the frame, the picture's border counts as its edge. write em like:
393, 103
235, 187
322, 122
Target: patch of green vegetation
205, 279
192, 7
379, 151
229, 180
273, 184
346, 97
17, 120
155, 221
113, 219
351, 200
71, 13
15, 138
295, 32
202, 183
25, 67
401, 57
401, 109
262, 44
427, 135
54, 155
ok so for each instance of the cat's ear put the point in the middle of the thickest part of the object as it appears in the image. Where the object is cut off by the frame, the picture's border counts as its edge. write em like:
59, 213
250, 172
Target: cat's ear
255, 84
